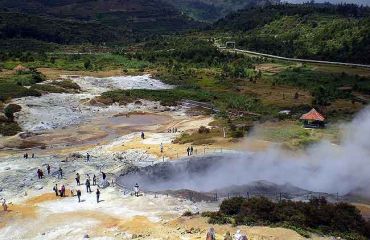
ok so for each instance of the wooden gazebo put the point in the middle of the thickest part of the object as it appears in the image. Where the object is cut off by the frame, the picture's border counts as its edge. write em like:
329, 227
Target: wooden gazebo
313, 119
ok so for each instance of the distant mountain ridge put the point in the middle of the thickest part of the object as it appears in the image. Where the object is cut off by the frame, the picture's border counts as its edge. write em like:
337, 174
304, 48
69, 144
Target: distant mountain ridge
116, 19
212, 10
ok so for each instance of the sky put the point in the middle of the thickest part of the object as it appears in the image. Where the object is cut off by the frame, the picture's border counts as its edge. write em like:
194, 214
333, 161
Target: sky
359, 2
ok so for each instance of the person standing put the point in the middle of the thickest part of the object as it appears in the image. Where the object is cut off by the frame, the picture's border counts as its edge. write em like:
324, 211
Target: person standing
87, 157
191, 150
104, 175
161, 147
5, 206
48, 169
62, 191
55, 188
97, 195
88, 187
211, 235
142, 135
94, 180
78, 179
136, 190
188, 151
79, 195
33, 155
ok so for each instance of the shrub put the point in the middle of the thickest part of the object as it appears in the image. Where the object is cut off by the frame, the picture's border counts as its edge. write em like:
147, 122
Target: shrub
10, 110
203, 130
231, 206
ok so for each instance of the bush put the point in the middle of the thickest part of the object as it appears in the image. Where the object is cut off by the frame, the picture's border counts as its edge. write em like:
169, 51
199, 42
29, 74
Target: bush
9, 128
340, 219
203, 130
216, 218
231, 206
10, 110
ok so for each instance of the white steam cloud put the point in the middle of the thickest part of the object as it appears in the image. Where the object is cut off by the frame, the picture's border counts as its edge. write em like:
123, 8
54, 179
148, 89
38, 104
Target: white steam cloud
324, 167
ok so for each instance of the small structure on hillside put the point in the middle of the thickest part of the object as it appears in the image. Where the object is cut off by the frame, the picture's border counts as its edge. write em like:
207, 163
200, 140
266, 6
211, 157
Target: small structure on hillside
20, 69
230, 45
313, 119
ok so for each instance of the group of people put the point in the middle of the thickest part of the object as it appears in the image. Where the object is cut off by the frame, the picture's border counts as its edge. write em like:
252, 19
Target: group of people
79, 194
190, 150
211, 235
40, 173
88, 185
59, 192
172, 130
25, 156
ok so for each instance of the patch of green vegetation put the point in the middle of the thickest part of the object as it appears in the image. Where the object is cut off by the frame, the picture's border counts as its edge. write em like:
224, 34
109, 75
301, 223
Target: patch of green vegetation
72, 62
325, 87
14, 85
321, 31
9, 128
317, 215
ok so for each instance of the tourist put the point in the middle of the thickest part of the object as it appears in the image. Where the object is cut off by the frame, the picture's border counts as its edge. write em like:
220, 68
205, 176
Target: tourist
48, 169
33, 155
79, 195
62, 191
136, 190
228, 236
104, 175
78, 179
161, 147
188, 151
94, 180
5, 206
97, 195
88, 187
38, 173
26, 156
41, 174
239, 236
87, 157
191, 150
142, 135
175, 130
55, 189
211, 235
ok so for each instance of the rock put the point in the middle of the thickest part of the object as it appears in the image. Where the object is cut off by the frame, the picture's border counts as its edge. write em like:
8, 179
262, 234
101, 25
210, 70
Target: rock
104, 184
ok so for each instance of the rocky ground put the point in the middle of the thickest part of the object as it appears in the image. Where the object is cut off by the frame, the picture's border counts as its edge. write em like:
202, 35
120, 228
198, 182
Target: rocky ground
68, 128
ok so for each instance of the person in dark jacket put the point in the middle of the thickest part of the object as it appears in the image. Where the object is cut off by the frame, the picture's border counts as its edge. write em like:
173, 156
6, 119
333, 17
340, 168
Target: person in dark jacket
97, 195
79, 195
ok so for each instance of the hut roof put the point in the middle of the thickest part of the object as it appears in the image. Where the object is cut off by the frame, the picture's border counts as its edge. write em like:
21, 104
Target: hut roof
20, 68
313, 115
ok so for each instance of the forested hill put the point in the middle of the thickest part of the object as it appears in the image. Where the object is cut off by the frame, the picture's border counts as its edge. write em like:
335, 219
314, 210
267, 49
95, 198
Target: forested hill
314, 31
212, 10
94, 21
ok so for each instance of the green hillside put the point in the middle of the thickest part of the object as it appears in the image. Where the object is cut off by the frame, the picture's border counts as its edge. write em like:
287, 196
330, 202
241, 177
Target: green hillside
212, 10
92, 21
324, 32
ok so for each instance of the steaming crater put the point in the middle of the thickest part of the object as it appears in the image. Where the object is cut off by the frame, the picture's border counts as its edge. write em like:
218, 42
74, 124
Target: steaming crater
201, 177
